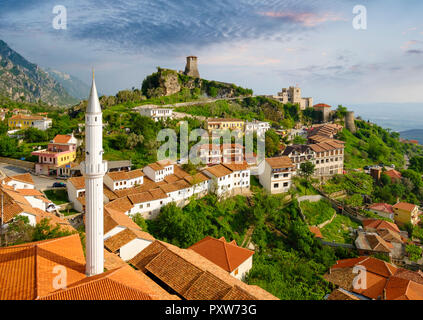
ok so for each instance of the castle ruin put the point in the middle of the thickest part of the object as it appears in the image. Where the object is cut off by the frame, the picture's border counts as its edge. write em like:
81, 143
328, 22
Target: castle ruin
350, 122
191, 68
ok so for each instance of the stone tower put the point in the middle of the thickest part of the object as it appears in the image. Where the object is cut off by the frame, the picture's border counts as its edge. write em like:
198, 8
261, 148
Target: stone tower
94, 169
350, 122
191, 68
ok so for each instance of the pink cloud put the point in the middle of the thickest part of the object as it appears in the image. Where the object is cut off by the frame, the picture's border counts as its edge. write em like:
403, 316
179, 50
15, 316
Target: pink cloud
307, 19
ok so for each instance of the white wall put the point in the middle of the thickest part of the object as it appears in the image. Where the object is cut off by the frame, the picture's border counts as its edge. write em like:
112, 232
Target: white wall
132, 248
20, 185
243, 269
113, 232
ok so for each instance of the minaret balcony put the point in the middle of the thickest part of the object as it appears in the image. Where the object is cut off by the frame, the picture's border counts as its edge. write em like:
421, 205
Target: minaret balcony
92, 169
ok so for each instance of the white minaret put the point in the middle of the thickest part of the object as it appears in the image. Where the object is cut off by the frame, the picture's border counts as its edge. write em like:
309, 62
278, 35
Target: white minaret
94, 168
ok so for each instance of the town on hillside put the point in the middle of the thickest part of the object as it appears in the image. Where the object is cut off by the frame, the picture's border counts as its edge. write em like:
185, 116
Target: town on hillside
85, 186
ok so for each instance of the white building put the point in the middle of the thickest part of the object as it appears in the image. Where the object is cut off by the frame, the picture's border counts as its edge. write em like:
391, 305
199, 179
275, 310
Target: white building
228, 178
237, 261
276, 174
159, 170
260, 127
122, 236
43, 124
155, 113
299, 153
123, 179
20, 181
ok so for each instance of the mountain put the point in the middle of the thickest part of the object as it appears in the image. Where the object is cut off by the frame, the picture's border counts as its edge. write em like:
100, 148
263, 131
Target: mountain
415, 134
23, 80
75, 87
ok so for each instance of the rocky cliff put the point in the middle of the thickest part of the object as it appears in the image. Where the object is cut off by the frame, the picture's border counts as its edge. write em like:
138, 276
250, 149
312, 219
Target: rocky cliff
22, 80
166, 82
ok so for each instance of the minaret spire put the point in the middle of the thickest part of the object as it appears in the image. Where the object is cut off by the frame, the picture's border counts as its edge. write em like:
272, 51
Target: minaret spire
94, 169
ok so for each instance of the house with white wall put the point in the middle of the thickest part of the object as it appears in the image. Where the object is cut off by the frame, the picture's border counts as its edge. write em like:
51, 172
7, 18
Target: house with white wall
276, 174
159, 170
122, 236
20, 181
155, 113
235, 260
124, 179
222, 181
256, 126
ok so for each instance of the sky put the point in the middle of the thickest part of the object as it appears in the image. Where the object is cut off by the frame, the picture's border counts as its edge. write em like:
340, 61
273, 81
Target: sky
264, 45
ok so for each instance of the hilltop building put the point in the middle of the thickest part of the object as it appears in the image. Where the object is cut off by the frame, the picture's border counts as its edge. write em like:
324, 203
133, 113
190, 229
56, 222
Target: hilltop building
191, 68
155, 113
293, 95
324, 110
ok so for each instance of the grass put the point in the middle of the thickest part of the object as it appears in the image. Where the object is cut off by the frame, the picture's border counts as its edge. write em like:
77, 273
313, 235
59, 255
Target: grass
338, 230
302, 189
317, 212
58, 197
70, 212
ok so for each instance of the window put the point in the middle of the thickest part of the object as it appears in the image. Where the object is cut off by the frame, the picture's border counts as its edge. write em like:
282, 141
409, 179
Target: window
276, 185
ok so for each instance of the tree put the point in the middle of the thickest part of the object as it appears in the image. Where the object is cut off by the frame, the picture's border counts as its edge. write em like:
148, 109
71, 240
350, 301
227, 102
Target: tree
307, 170
414, 252
416, 164
299, 140
341, 112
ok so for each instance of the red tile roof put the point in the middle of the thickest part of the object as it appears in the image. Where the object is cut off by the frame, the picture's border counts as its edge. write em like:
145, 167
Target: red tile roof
62, 139
27, 270
383, 207
226, 255
322, 105
380, 225
405, 206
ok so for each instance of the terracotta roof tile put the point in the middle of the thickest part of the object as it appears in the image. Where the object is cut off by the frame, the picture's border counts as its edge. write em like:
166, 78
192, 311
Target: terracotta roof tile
280, 162
27, 270
228, 256
405, 206
218, 171
180, 268
117, 241
60, 138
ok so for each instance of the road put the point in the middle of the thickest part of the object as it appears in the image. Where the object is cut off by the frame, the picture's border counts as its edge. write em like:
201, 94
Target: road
41, 182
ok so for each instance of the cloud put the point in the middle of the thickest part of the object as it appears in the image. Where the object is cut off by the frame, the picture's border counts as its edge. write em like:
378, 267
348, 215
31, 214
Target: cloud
415, 51
169, 25
307, 19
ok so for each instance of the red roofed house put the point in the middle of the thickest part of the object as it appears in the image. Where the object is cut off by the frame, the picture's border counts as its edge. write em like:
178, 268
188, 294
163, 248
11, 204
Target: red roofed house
382, 209
58, 156
394, 175
406, 212
370, 278
237, 261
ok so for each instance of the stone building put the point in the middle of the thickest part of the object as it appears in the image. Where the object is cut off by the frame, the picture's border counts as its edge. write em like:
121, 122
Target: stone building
293, 95
191, 68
